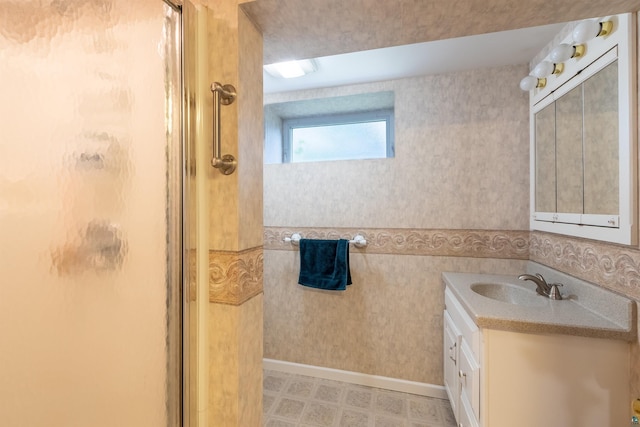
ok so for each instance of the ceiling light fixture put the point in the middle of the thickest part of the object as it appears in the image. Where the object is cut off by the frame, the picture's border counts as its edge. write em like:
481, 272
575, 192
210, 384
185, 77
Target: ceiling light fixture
291, 69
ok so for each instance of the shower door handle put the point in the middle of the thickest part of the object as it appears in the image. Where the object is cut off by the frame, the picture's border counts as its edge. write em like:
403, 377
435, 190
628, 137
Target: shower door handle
222, 95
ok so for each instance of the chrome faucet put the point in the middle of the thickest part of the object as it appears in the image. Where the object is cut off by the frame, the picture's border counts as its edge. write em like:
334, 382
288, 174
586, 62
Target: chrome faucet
542, 287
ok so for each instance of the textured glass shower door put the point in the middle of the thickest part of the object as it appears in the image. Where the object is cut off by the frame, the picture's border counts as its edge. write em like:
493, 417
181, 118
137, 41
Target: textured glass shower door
90, 213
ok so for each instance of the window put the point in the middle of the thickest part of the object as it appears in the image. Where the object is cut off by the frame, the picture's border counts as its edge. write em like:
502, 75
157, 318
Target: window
358, 126
362, 135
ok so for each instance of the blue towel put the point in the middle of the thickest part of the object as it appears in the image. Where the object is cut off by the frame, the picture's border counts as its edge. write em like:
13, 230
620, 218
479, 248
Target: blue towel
324, 264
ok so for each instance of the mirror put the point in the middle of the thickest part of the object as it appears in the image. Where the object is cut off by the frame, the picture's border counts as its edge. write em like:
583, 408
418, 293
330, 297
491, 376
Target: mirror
545, 123
569, 152
601, 142
584, 144
576, 141
576, 146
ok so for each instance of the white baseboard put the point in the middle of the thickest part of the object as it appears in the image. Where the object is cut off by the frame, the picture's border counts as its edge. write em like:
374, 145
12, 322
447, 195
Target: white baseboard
422, 389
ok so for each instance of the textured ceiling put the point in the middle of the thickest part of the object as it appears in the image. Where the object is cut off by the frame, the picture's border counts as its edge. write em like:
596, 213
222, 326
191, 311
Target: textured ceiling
295, 29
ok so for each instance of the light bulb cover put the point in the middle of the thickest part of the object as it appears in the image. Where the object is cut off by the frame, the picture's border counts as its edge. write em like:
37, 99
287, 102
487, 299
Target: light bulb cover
531, 82
586, 30
543, 69
562, 52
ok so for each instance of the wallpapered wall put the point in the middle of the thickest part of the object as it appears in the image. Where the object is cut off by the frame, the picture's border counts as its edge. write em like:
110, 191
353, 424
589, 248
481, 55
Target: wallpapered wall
458, 183
454, 198
446, 202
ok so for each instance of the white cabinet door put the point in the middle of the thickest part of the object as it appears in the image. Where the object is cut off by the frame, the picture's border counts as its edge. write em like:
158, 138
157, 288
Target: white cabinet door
451, 344
469, 373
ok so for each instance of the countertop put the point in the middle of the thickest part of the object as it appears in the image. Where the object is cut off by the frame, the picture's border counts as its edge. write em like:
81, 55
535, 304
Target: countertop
587, 309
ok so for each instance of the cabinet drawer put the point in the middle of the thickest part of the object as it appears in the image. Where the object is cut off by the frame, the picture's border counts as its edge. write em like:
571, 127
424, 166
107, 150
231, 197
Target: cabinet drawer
462, 320
469, 373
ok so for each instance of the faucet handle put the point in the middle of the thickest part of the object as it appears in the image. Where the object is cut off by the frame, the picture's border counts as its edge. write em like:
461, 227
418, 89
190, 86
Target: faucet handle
554, 292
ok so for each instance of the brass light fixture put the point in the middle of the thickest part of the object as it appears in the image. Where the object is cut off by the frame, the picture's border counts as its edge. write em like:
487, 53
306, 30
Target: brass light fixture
583, 32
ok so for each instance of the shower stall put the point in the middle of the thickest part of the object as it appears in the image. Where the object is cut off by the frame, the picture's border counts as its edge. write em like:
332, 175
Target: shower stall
91, 214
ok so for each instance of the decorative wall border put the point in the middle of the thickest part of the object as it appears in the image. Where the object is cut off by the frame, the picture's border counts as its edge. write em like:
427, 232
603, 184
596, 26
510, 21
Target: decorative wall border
611, 266
507, 244
235, 277
615, 267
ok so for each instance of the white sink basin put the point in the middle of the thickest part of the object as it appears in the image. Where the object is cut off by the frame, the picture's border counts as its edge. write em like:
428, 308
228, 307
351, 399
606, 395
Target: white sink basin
502, 302
509, 294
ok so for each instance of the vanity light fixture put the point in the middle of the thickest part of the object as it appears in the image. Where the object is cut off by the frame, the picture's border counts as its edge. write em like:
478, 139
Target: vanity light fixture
564, 52
532, 82
546, 68
582, 33
590, 29
291, 69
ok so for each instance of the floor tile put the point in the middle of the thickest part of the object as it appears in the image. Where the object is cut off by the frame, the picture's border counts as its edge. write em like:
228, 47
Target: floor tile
302, 401
447, 414
274, 383
351, 418
279, 423
382, 421
289, 408
320, 414
300, 388
328, 393
425, 410
358, 398
390, 404
267, 402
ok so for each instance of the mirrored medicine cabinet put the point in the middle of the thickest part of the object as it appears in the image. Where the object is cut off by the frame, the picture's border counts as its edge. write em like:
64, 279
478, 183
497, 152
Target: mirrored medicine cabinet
583, 142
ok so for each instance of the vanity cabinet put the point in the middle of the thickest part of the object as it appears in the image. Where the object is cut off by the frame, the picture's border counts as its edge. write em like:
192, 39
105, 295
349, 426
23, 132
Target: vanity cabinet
502, 378
461, 363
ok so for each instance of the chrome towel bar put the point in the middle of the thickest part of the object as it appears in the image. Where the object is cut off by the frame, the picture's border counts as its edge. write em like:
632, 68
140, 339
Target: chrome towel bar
358, 240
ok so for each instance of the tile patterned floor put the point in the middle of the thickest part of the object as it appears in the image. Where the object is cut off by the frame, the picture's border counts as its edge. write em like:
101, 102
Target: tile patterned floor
301, 401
